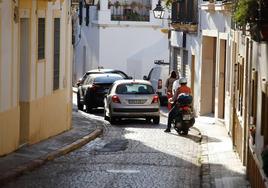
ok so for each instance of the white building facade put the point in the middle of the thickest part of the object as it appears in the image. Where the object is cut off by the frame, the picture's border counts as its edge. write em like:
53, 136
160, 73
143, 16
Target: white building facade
125, 37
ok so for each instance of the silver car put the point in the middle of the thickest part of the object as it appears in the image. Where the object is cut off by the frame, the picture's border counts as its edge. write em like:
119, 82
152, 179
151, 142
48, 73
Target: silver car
131, 99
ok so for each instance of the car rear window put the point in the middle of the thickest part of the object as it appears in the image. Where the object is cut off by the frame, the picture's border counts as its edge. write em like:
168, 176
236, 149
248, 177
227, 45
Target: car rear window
107, 78
134, 88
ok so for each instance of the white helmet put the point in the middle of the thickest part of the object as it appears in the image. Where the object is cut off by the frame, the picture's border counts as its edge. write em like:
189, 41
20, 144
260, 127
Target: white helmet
183, 80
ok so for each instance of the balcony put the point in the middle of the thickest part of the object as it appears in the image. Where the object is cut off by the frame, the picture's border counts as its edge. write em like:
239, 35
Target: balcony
208, 6
185, 16
185, 27
225, 6
130, 10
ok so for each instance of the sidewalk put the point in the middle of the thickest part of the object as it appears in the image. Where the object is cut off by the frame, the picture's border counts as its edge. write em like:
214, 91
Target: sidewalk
220, 165
84, 129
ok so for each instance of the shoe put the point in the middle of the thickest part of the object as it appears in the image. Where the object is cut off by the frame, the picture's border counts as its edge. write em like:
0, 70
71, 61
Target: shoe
167, 131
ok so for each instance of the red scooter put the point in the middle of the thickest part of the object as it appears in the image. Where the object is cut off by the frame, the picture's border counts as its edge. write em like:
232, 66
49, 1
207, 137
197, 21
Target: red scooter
185, 120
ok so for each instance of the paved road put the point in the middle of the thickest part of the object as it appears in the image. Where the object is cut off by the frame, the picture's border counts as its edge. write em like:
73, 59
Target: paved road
131, 154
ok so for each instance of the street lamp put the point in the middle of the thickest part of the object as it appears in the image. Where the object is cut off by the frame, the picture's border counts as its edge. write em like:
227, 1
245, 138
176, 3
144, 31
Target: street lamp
159, 11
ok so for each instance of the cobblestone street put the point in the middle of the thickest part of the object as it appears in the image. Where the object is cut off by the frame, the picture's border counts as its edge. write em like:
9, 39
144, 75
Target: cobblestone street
132, 154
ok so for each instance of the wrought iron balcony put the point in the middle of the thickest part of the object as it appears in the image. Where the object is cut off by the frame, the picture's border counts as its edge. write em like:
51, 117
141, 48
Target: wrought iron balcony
184, 16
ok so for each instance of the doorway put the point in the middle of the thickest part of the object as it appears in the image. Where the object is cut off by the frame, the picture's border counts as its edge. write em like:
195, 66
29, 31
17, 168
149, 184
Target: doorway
221, 81
207, 98
24, 79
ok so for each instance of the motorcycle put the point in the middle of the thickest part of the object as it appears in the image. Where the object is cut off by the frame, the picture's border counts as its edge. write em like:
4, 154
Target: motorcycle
185, 118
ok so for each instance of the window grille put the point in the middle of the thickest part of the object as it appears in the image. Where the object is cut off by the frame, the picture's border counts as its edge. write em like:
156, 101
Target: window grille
56, 75
41, 38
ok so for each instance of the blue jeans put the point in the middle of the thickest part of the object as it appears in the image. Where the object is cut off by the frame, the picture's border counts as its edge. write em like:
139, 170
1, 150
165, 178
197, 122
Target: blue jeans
172, 114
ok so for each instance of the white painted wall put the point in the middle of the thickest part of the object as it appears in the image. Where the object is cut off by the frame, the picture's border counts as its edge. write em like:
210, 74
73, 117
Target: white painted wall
215, 21
260, 58
120, 45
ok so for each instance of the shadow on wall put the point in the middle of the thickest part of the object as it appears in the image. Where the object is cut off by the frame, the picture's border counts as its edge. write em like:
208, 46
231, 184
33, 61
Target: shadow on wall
141, 62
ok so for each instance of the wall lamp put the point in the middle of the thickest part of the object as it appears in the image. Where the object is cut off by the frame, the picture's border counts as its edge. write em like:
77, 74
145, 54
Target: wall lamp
159, 11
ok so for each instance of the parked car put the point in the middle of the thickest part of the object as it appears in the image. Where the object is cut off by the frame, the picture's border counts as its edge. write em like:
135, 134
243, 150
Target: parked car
92, 91
158, 76
131, 99
102, 71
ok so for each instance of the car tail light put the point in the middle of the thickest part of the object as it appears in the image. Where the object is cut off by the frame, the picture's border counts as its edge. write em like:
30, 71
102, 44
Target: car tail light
115, 99
155, 99
159, 84
94, 87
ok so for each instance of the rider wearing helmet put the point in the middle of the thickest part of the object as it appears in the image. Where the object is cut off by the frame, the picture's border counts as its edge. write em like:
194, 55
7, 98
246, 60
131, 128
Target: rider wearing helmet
174, 111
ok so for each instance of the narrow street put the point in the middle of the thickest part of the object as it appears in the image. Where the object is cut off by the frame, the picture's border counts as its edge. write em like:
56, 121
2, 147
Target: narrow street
130, 154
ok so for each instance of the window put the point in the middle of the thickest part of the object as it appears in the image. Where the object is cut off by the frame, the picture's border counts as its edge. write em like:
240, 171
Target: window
41, 38
56, 75
134, 88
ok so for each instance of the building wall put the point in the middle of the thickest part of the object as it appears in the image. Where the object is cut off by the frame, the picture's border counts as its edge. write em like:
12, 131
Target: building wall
31, 111
9, 107
132, 49
126, 45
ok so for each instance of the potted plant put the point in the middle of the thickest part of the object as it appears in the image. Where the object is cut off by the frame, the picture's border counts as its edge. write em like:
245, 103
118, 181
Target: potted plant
251, 16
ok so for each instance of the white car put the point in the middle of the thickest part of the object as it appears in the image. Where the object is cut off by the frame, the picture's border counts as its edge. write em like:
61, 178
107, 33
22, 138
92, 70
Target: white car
158, 76
131, 99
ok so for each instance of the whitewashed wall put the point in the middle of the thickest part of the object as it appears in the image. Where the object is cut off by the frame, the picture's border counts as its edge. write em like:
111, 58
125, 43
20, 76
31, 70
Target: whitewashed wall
119, 45
215, 21
260, 59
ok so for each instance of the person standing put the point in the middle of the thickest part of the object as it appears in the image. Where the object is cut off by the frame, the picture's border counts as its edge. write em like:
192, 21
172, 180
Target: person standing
169, 85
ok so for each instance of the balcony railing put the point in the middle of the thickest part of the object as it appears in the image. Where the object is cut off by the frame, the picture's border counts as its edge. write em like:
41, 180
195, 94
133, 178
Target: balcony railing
225, 6
130, 11
185, 16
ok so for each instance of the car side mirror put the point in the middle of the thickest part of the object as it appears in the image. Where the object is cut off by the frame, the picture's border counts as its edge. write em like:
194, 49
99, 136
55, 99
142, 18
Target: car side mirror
78, 83
145, 77
130, 77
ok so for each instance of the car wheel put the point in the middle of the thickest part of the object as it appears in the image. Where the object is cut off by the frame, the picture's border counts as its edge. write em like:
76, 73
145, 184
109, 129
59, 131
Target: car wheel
112, 120
156, 120
80, 106
105, 116
88, 103
148, 120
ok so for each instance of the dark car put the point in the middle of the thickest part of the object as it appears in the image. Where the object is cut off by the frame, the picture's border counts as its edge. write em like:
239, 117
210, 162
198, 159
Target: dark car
102, 71
92, 91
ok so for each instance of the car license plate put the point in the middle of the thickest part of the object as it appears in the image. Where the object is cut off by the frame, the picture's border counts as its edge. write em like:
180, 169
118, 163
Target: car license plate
186, 117
137, 101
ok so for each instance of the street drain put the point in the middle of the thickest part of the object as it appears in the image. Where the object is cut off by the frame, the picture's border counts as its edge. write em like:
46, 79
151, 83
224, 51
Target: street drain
114, 146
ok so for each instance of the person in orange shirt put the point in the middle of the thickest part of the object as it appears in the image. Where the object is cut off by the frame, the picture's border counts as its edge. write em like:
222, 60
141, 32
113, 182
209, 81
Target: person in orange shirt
174, 111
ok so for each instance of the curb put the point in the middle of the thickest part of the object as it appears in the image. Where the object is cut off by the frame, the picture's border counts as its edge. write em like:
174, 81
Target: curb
6, 177
205, 179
